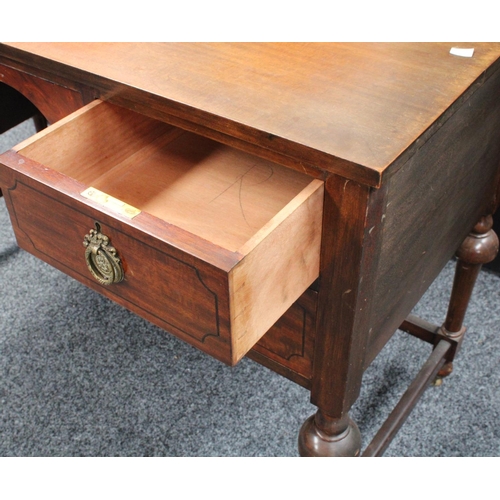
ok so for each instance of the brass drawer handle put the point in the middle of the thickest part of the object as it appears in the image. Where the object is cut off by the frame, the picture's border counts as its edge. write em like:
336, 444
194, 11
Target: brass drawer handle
102, 259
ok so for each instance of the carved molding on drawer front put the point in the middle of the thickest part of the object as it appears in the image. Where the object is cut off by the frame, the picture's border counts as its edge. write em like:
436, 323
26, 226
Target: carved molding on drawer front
290, 342
52, 228
288, 347
15, 222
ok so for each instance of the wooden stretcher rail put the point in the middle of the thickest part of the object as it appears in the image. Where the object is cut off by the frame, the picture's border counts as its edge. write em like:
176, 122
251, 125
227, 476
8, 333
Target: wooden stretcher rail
408, 401
420, 328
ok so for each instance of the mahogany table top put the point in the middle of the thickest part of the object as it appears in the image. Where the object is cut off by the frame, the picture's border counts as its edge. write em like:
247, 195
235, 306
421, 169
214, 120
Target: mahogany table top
353, 108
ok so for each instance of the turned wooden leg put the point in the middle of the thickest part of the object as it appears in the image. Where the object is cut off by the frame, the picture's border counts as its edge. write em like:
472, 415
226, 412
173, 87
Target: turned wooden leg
322, 436
480, 247
350, 243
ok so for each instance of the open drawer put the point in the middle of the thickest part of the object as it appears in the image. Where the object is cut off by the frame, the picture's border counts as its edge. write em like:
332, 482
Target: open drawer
208, 242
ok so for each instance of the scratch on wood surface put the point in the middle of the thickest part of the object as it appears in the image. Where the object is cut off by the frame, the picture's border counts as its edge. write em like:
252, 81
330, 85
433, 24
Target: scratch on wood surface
347, 303
239, 180
303, 167
233, 183
241, 203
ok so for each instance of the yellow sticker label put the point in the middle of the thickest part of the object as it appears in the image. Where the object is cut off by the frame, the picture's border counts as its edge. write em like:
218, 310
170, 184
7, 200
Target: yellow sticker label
112, 203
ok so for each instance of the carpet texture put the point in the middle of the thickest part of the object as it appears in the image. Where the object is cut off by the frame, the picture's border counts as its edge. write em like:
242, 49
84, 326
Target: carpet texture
80, 376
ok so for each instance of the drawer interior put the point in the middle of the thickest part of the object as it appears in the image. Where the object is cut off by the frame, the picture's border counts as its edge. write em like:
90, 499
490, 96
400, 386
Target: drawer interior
218, 193
234, 239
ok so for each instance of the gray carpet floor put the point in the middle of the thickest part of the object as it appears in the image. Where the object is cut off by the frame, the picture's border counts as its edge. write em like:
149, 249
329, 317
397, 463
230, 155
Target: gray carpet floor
79, 376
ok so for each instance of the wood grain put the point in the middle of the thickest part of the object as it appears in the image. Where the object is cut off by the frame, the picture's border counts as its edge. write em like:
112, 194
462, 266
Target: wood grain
288, 346
218, 193
310, 102
235, 273
52, 100
349, 254
278, 269
432, 204
405, 137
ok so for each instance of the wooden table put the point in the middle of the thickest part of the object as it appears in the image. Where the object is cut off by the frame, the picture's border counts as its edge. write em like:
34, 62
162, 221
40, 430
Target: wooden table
287, 202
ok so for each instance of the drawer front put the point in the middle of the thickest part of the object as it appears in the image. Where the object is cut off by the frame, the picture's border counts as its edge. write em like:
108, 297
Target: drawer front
220, 245
183, 298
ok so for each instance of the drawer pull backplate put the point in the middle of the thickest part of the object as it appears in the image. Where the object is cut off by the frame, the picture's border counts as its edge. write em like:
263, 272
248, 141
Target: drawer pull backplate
102, 259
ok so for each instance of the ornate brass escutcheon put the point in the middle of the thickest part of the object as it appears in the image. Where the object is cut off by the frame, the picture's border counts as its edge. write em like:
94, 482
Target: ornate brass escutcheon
102, 259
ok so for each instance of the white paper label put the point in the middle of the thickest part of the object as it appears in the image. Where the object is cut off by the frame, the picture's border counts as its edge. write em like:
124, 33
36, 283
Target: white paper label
462, 52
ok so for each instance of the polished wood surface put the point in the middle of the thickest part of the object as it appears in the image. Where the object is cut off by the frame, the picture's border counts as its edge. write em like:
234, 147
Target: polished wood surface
410, 398
454, 172
309, 101
174, 174
402, 138
41, 92
288, 347
185, 181
480, 247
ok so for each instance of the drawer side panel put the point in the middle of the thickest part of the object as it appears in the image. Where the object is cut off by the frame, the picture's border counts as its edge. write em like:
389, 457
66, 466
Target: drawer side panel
277, 270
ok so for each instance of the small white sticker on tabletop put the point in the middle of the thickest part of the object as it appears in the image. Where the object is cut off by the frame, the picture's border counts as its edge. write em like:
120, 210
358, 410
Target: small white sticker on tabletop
462, 52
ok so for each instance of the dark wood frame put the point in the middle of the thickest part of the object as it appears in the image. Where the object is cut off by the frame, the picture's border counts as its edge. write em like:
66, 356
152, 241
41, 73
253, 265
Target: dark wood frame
495, 264
357, 248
